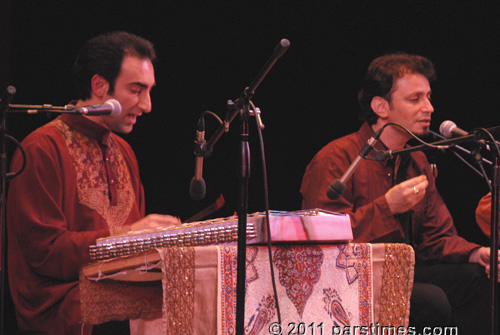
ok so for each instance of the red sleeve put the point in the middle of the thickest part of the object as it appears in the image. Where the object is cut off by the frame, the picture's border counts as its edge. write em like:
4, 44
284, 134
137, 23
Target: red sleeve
38, 226
483, 214
371, 220
437, 238
364, 201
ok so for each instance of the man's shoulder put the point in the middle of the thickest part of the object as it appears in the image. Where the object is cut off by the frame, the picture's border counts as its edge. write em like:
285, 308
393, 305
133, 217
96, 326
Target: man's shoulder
344, 143
47, 132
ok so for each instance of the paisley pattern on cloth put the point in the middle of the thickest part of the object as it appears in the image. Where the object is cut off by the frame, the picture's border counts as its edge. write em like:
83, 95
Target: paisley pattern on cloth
328, 283
263, 315
299, 270
335, 308
199, 290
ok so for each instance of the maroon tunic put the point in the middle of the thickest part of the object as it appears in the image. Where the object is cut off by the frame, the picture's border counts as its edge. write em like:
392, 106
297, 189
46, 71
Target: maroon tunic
80, 180
435, 236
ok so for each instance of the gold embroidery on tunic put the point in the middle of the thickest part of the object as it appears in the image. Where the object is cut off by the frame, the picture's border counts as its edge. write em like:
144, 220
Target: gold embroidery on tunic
91, 175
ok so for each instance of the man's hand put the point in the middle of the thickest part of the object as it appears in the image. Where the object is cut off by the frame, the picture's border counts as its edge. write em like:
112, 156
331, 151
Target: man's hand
482, 256
406, 195
152, 221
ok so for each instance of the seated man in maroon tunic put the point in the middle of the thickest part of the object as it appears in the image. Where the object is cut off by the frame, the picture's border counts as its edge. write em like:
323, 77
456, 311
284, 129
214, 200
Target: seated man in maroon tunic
81, 183
397, 200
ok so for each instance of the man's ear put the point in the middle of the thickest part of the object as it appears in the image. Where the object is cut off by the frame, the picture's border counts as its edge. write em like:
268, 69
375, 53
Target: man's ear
381, 107
100, 86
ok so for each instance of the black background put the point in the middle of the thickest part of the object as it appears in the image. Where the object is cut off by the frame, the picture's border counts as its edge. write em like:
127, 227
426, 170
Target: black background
210, 51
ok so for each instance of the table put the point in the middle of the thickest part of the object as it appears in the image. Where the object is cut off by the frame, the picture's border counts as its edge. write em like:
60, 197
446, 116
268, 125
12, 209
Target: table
342, 285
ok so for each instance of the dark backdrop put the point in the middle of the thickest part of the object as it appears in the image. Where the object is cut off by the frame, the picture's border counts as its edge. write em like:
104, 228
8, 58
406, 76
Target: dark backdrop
209, 51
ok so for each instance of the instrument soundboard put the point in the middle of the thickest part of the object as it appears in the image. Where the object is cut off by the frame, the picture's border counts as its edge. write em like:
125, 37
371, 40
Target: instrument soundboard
304, 226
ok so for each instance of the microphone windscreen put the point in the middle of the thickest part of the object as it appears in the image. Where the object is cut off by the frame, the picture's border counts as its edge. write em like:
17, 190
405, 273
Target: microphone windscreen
446, 127
281, 48
197, 189
116, 107
335, 190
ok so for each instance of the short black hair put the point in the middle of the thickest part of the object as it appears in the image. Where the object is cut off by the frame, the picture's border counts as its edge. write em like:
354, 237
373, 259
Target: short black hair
103, 55
383, 73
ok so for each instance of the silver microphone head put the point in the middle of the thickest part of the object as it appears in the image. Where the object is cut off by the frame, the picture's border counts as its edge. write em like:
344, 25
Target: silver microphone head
446, 128
116, 107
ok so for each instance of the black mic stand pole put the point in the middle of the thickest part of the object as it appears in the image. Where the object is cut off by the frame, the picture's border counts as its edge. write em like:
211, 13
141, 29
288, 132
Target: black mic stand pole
4, 106
494, 245
242, 106
495, 180
244, 176
495, 206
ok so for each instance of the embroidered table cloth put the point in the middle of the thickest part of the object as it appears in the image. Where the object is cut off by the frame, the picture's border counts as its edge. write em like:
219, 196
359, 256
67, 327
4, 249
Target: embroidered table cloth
318, 286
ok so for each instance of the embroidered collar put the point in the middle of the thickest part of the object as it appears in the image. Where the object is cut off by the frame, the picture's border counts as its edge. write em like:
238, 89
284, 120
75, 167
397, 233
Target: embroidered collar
87, 127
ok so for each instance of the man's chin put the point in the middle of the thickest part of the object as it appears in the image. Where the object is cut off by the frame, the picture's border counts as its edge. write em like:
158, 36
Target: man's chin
422, 131
124, 129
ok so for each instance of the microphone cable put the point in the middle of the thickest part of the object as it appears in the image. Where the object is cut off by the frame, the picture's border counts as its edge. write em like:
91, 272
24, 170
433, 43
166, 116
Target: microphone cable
266, 207
476, 156
383, 155
12, 175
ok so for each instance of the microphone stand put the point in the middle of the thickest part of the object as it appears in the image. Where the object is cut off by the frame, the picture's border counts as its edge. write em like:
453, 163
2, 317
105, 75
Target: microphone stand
494, 227
494, 244
4, 107
444, 144
242, 106
475, 154
495, 200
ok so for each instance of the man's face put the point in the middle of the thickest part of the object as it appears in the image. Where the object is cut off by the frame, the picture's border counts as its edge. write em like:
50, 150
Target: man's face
132, 89
410, 103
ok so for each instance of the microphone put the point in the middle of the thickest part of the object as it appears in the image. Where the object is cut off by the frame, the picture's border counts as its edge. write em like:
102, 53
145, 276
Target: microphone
111, 107
281, 48
7, 98
449, 129
337, 188
197, 188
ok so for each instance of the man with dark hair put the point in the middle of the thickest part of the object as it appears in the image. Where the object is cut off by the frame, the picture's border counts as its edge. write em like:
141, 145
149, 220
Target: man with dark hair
104, 55
397, 200
381, 74
81, 183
